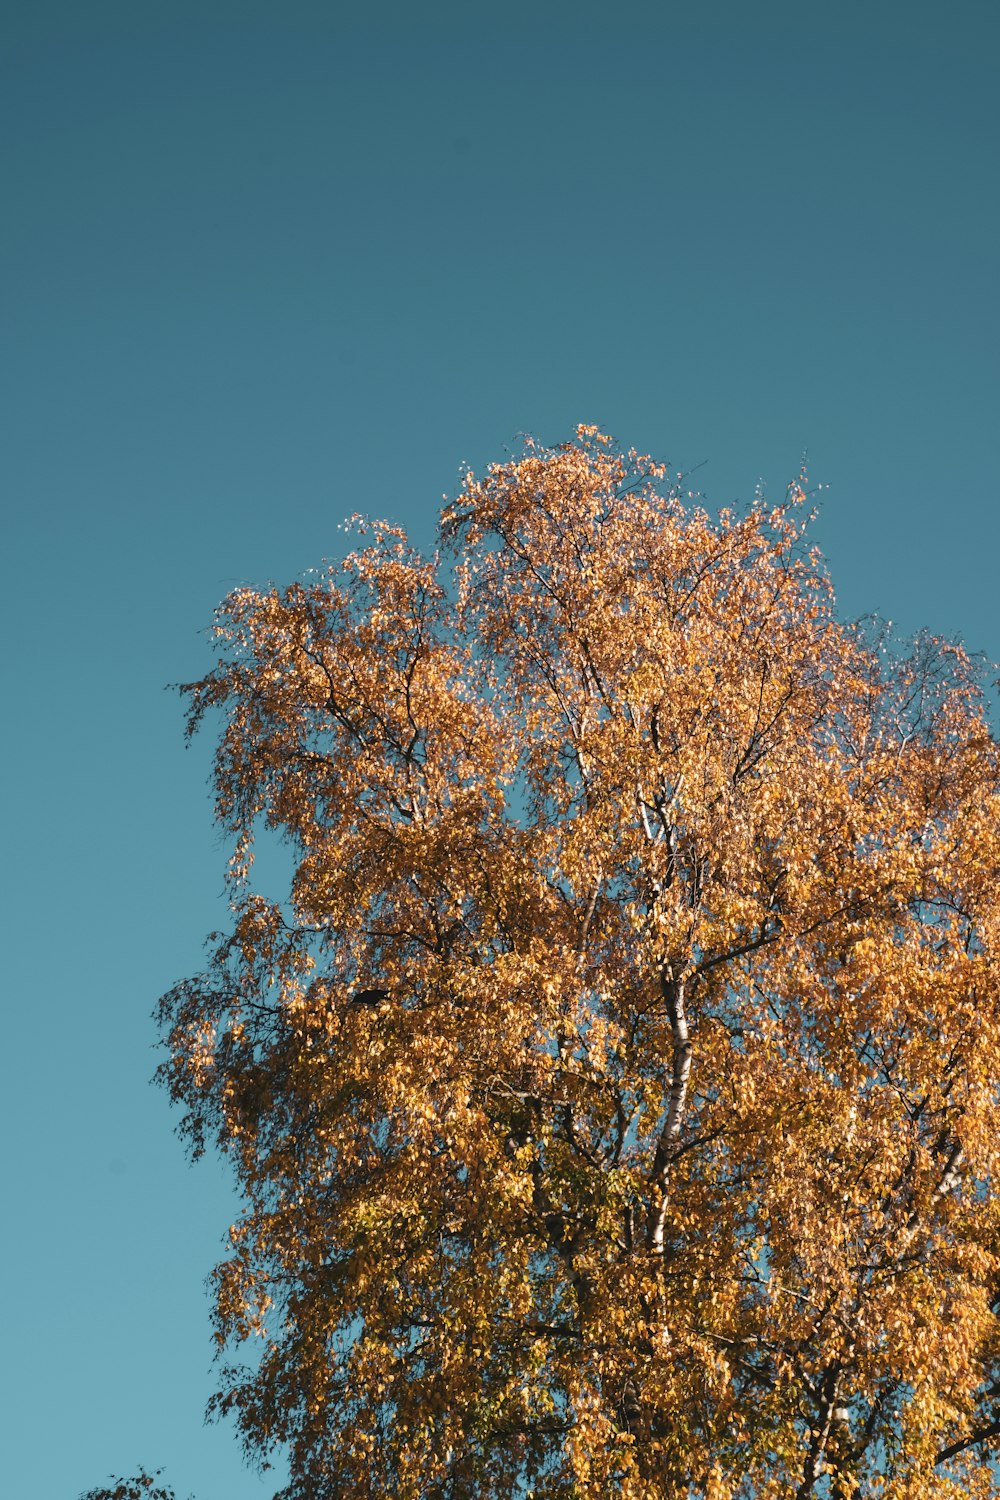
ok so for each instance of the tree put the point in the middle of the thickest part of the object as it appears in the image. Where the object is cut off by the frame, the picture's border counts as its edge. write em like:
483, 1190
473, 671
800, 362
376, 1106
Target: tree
614, 1097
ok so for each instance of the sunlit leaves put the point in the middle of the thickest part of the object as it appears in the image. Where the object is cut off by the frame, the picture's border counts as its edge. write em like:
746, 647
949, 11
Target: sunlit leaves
613, 1094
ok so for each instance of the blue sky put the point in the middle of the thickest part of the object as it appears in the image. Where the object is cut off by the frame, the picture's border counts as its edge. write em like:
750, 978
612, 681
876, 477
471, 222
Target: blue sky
263, 266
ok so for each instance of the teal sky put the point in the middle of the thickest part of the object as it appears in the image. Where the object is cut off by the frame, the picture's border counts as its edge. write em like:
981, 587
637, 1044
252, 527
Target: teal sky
263, 266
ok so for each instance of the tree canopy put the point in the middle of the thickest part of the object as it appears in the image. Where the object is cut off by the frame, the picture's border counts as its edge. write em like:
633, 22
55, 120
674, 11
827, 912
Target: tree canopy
614, 1094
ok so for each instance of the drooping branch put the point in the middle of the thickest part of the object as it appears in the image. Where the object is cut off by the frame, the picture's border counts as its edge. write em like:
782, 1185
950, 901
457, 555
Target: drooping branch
980, 1435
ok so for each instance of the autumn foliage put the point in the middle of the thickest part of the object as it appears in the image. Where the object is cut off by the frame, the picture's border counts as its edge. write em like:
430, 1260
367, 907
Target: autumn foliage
614, 1094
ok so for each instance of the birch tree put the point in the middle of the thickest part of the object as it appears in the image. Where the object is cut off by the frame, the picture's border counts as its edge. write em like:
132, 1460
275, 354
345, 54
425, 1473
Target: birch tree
613, 1095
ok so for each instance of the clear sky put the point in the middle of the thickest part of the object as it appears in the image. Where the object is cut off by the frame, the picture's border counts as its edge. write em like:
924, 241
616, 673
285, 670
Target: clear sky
264, 265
